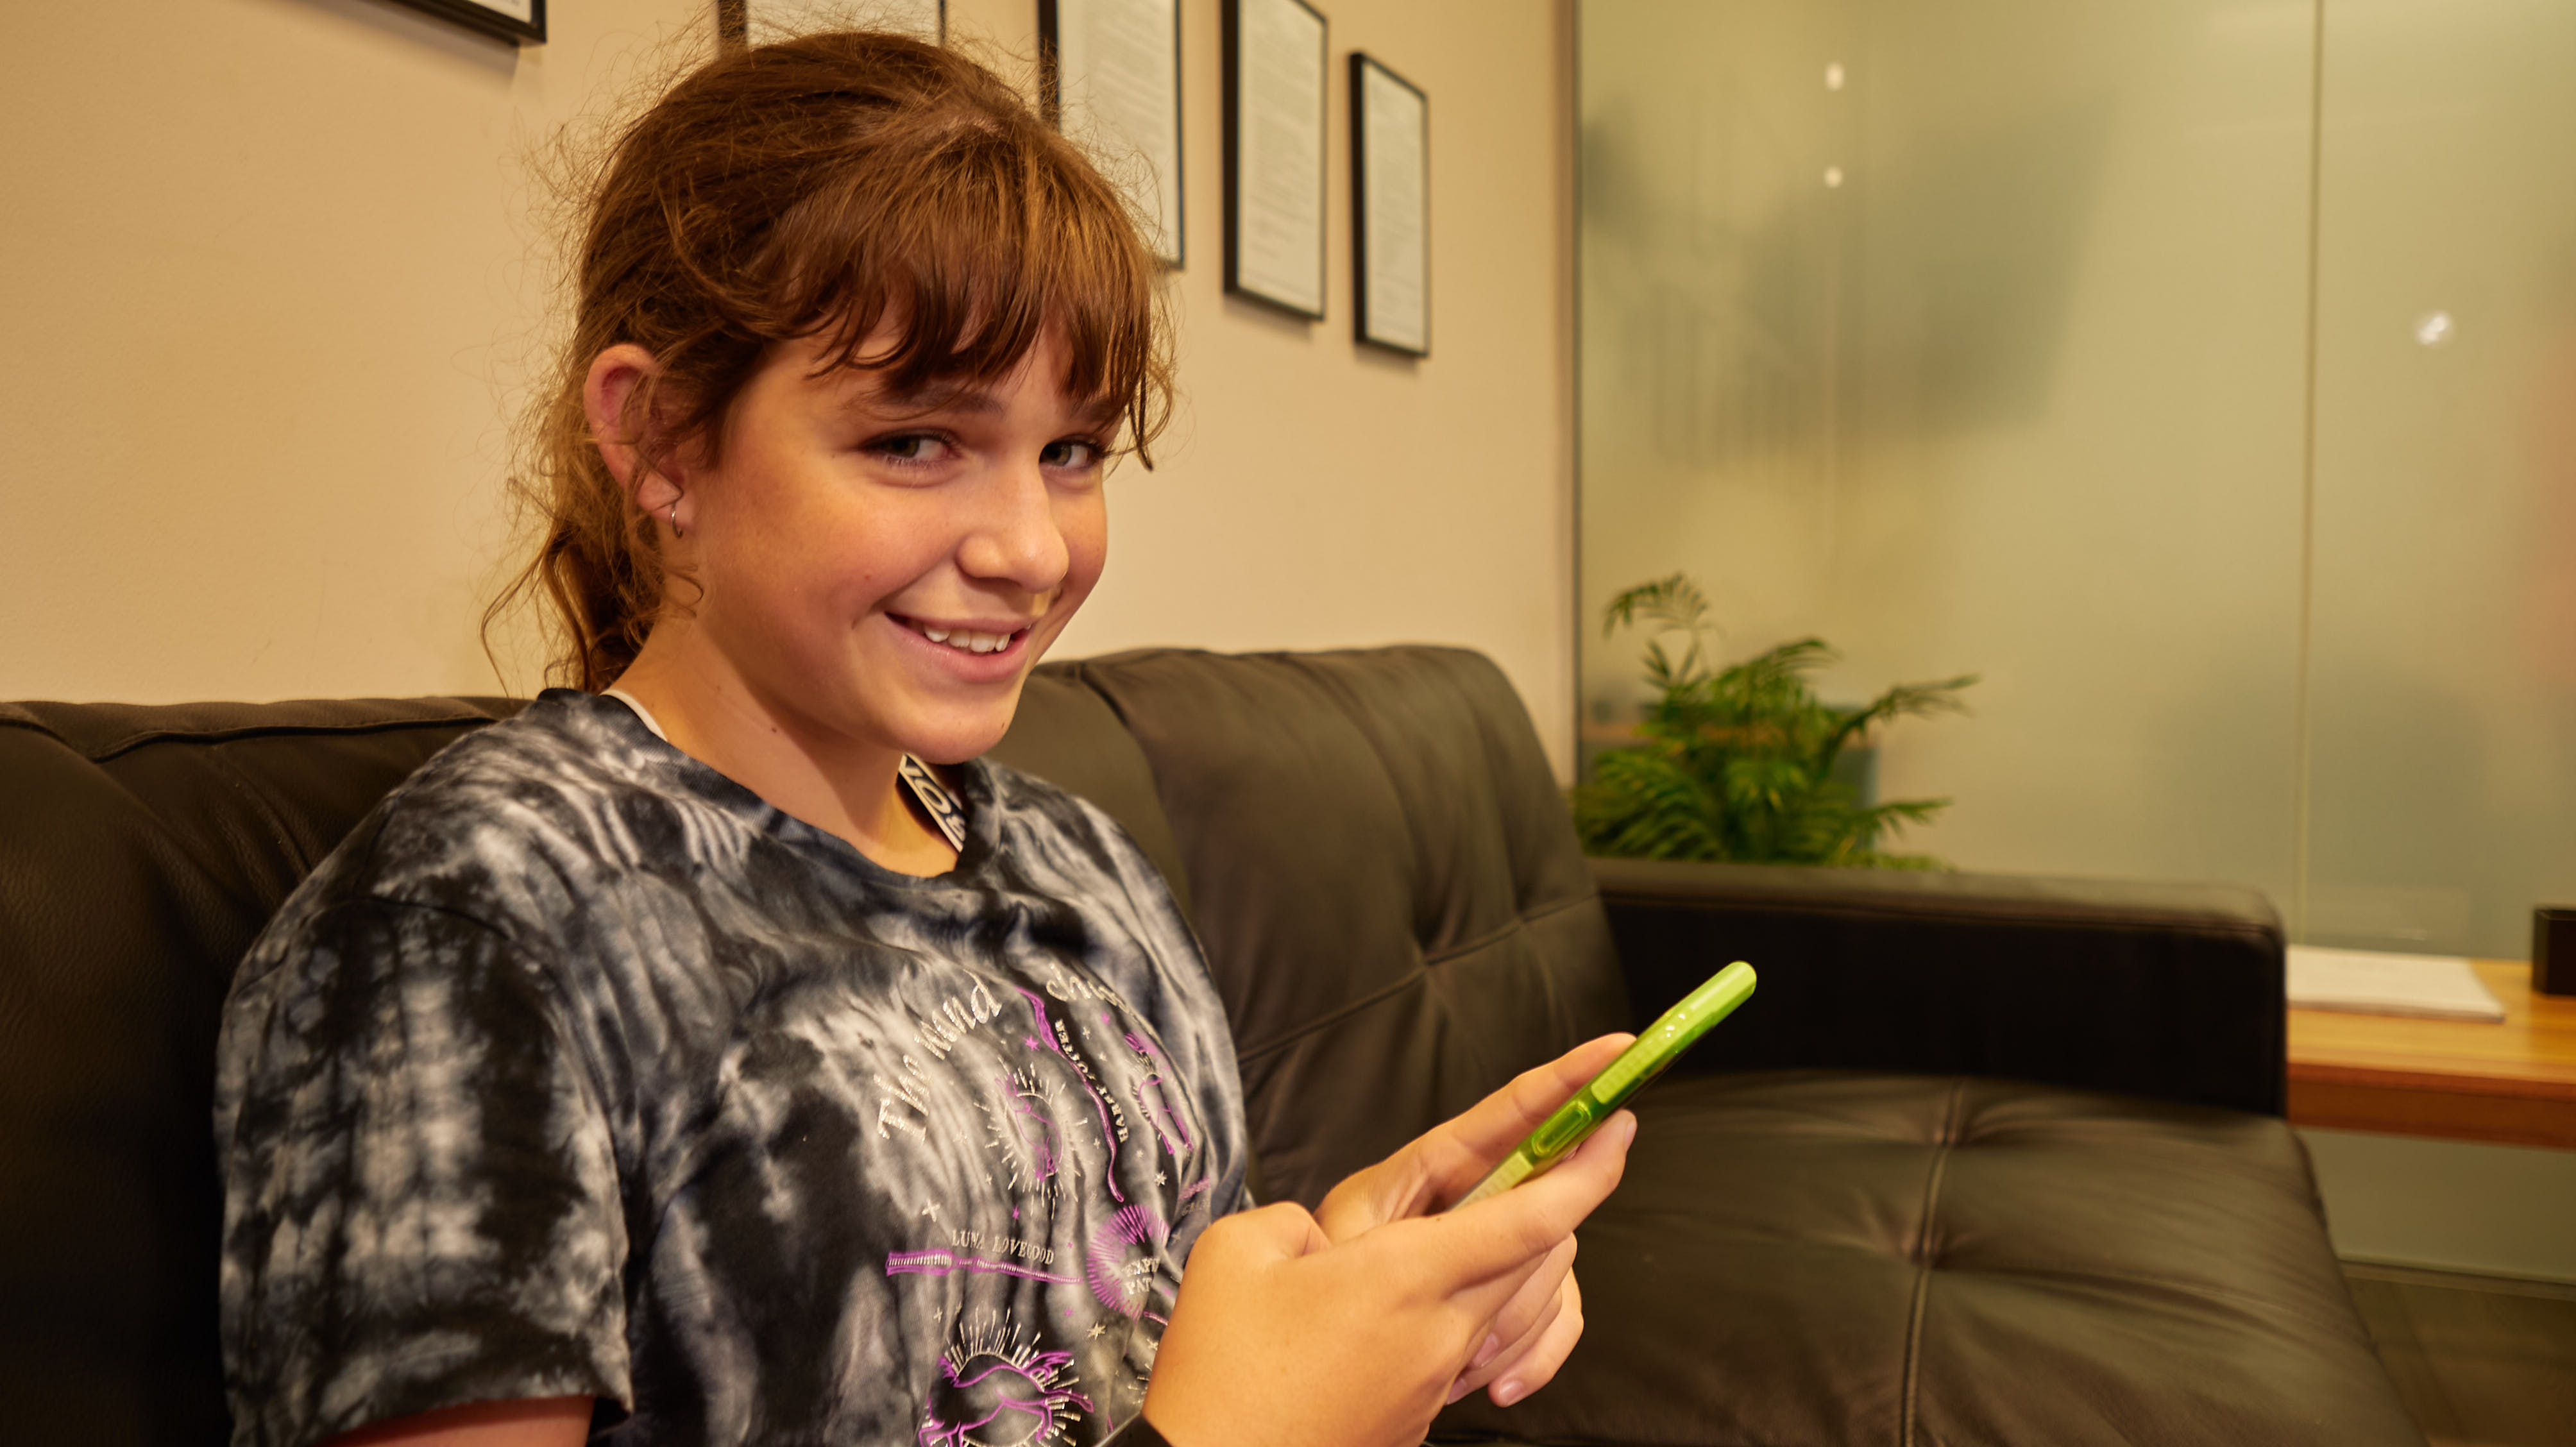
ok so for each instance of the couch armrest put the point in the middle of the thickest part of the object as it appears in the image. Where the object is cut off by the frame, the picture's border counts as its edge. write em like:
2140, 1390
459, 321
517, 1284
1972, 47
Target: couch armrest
2170, 991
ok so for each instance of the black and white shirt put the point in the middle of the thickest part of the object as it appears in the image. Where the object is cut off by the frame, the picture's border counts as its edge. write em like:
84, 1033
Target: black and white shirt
577, 1069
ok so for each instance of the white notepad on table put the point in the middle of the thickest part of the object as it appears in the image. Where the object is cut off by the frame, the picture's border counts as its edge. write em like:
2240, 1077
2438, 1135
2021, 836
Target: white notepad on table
2368, 982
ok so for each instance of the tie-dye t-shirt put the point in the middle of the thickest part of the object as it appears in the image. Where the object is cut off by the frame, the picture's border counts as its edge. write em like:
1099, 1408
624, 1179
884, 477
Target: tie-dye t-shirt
579, 1070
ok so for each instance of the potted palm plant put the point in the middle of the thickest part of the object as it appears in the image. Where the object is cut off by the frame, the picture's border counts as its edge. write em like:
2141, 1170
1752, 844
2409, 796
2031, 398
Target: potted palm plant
1739, 763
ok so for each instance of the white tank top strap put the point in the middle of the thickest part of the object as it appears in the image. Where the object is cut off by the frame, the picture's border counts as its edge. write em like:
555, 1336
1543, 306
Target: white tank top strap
641, 712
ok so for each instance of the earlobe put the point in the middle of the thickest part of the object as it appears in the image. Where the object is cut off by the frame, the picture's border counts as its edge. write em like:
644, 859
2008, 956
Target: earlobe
618, 378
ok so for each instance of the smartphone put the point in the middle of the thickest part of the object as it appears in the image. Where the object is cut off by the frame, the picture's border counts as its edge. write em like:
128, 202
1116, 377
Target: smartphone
1662, 1043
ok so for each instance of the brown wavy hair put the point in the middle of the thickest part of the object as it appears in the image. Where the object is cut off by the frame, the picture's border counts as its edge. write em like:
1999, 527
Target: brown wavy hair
818, 187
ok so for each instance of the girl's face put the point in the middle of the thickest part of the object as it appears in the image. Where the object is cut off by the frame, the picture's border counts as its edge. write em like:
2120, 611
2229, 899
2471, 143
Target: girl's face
881, 575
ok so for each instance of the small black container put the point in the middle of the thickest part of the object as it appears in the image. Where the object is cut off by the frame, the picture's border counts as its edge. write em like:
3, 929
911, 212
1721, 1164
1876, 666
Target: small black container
2553, 950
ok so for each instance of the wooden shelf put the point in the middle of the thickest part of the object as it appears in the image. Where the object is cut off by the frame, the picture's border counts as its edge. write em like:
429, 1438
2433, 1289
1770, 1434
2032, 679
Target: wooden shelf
2513, 1082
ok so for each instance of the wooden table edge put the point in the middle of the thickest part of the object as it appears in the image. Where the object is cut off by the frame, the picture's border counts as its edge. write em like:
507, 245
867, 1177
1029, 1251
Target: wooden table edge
2445, 1078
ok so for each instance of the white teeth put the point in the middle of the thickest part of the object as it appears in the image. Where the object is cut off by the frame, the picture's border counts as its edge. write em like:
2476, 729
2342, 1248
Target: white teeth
967, 639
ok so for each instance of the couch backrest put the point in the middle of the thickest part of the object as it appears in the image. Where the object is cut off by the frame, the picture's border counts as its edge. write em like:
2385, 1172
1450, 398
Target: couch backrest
1384, 877
1370, 844
141, 850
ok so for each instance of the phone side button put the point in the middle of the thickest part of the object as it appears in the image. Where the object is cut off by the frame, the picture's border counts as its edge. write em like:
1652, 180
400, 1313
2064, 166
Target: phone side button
1562, 1129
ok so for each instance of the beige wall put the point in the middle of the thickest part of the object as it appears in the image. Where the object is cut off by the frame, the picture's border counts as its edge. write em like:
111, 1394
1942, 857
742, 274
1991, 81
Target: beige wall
270, 281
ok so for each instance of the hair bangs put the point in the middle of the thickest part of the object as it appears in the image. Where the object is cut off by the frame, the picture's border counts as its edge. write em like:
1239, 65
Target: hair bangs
985, 245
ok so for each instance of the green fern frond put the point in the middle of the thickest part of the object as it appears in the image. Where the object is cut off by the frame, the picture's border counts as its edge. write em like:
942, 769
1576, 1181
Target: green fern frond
1738, 764
1675, 602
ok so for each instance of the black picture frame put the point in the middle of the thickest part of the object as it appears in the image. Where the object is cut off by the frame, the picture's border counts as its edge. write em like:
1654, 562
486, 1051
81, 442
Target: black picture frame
1369, 325
1237, 229
1051, 101
491, 20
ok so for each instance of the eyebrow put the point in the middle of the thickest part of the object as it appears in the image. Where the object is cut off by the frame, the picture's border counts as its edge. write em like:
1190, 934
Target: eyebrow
931, 397
975, 400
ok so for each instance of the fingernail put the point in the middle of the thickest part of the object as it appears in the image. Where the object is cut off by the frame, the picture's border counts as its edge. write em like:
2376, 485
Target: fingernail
1457, 1389
1486, 1352
1504, 1392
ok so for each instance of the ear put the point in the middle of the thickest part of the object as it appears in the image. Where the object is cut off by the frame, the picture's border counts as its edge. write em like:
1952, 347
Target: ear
654, 479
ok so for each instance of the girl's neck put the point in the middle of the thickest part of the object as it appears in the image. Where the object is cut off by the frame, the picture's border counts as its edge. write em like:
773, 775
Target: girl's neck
844, 786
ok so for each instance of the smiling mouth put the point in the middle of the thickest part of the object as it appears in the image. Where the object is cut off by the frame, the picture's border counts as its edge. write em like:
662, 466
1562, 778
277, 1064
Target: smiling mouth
964, 640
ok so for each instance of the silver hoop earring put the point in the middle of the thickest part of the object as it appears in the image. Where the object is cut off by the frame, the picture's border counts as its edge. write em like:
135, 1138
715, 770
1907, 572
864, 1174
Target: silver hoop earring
675, 519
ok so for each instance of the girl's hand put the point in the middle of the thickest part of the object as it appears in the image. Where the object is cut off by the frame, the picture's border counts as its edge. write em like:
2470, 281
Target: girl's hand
1355, 1325
1533, 1334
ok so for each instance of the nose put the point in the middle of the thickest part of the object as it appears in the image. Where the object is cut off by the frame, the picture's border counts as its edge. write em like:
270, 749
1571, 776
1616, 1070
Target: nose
1016, 538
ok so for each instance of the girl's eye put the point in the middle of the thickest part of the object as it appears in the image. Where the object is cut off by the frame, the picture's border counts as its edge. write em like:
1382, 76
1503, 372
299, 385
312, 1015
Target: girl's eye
1070, 452
911, 449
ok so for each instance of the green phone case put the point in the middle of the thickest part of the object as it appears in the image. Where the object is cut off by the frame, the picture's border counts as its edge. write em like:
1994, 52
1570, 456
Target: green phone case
1663, 1042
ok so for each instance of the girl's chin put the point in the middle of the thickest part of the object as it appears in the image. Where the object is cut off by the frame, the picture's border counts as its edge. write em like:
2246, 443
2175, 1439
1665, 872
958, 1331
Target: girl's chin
961, 734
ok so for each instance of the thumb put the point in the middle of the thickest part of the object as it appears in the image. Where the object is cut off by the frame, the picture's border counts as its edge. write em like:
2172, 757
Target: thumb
1513, 1230
1268, 1234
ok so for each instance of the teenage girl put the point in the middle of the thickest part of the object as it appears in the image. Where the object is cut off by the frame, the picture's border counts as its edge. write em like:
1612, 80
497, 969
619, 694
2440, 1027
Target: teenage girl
718, 1051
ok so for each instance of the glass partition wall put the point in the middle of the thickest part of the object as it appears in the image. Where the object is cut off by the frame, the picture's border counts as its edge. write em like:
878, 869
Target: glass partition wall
2202, 373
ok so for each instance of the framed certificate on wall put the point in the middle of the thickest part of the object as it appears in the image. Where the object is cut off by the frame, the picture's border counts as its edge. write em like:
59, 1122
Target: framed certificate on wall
1112, 76
759, 22
523, 21
1390, 209
1276, 67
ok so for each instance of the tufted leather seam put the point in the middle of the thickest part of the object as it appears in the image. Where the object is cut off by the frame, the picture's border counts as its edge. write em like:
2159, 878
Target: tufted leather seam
1339, 700
1079, 671
1361, 727
161, 838
1349, 705
1082, 675
1327, 683
1245, 1054
1519, 921
112, 749
1942, 1146
2255, 1302
258, 797
1411, 979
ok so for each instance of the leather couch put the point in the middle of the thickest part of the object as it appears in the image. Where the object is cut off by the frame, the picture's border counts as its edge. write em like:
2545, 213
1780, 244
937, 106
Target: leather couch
1986, 1160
